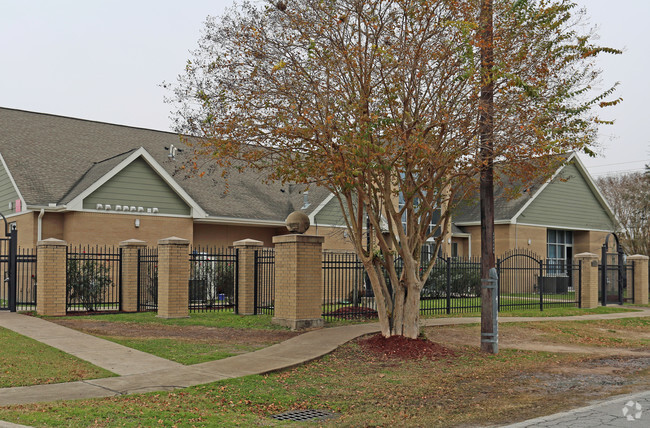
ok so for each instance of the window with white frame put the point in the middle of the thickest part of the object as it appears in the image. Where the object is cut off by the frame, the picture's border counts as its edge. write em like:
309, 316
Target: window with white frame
559, 251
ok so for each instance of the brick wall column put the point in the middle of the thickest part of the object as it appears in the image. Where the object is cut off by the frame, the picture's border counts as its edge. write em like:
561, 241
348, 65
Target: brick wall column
298, 281
130, 273
173, 278
589, 279
640, 278
51, 276
246, 275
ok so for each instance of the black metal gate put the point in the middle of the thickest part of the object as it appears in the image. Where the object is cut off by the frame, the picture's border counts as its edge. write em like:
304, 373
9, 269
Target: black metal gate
527, 281
8, 267
613, 282
264, 281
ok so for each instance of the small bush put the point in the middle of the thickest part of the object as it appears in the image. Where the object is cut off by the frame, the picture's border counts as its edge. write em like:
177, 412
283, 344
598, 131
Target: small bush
463, 282
87, 282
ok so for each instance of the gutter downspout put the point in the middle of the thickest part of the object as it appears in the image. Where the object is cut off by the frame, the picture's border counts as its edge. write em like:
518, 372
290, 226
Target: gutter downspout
40, 225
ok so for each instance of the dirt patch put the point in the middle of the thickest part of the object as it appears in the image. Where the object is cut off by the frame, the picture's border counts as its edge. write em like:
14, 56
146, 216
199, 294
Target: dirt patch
399, 347
186, 333
529, 339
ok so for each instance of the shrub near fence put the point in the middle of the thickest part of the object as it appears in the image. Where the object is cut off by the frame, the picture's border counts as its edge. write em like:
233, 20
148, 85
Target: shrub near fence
93, 279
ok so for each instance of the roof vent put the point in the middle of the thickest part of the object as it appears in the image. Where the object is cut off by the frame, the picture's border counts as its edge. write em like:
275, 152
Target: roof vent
107, 207
118, 207
172, 151
154, 210
133, 208
305, 200
99, 207
140, 209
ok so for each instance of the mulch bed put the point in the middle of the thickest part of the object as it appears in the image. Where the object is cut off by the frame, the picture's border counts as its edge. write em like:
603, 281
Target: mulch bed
353, 312
403, 348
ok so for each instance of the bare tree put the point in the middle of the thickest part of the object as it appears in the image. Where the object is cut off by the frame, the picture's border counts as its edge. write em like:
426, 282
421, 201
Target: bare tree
629, 197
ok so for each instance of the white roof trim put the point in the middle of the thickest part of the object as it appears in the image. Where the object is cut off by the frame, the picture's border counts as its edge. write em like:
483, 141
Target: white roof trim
240, 221
555, 227
77, 203
23, 205
513, 220
478, 223
312, 216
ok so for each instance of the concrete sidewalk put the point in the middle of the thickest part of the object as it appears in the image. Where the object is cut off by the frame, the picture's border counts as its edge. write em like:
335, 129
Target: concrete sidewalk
141, 372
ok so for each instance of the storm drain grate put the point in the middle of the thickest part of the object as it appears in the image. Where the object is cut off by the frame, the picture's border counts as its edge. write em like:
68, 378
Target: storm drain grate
305, 415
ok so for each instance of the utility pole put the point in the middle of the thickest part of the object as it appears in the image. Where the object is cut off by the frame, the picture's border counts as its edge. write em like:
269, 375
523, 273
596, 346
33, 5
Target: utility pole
489, 321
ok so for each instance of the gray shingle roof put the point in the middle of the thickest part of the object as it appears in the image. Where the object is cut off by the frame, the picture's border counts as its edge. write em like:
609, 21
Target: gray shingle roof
54, 158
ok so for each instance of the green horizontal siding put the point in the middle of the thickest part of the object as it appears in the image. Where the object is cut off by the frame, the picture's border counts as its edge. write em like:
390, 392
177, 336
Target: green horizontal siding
138, 185
330, 214
7, 192
567, 202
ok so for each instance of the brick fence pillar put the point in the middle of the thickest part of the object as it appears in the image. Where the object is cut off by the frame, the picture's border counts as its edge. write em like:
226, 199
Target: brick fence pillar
298, 281
589, 290
51, 275
640, 278
173, 278
130, 250
246, 275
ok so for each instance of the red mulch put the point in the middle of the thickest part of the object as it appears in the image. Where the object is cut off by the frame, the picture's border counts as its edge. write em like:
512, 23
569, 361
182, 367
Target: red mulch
403, 348
352, 312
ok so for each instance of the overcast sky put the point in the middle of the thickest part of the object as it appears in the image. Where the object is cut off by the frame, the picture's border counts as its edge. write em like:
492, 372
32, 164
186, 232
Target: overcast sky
105, 59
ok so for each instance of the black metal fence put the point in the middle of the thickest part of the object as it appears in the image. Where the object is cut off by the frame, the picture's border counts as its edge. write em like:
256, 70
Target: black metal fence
4, 270
264, 281
93, 279
213, 279
26, 279
345, 295
454, 284
147, 279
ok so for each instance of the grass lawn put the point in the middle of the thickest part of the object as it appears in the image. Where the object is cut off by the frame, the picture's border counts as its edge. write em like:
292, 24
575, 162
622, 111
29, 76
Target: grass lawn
205, 336
224, 318
366, 389
24, 361
623, 333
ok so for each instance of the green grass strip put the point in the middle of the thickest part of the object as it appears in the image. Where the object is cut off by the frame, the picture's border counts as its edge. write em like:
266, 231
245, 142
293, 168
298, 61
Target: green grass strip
24, 361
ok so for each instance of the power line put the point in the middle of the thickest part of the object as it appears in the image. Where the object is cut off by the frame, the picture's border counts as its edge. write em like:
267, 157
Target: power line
620, 163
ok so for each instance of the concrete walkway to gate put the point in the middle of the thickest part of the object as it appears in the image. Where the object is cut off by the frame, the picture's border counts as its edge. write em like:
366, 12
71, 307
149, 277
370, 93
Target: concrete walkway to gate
140, 372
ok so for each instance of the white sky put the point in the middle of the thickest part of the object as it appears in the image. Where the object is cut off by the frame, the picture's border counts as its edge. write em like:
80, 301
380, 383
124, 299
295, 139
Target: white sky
105, 59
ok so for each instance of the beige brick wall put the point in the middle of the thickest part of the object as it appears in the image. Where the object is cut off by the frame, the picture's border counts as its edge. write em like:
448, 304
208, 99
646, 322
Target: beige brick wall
111, 229
220, 235
640, 278
51, 274
589, 279
173, 278
130, 273
246, 279
298, 280
26, 226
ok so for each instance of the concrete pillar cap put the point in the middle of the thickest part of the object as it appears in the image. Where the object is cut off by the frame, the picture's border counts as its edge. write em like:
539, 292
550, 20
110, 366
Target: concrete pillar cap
587, 255
638, 257
133, 243
52, 242
173, 240
248, 242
